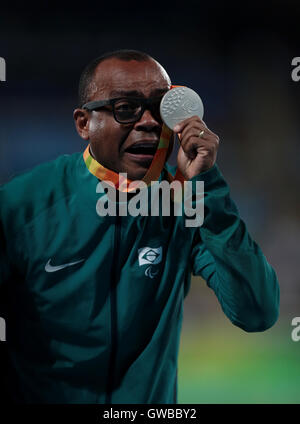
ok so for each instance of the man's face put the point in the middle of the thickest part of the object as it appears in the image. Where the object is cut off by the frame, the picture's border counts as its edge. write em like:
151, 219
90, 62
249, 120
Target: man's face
111, 141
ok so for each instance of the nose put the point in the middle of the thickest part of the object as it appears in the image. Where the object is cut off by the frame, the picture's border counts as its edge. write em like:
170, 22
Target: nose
147, 122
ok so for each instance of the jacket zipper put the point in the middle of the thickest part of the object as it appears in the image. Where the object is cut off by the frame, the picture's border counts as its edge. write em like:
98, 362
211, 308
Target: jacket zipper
113, 312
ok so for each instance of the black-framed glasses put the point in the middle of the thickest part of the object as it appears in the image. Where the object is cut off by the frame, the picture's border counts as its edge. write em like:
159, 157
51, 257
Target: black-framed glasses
127, 110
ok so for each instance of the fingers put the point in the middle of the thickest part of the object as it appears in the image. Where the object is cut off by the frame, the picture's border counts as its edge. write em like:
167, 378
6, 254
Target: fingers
195, 131
193, 119
198, 152
190, 129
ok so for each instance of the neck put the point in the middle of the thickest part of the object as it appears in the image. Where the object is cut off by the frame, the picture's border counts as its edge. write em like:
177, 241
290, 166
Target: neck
91, 152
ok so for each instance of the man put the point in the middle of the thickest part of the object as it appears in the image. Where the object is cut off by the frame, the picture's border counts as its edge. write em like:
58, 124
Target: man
94, 304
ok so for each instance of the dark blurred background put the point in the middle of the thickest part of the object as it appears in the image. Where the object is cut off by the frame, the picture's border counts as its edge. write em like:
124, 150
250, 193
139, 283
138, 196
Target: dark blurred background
238, 58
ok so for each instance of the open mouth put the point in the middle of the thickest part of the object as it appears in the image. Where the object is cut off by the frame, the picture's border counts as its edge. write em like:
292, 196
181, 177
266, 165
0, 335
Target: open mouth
142, 149
142, 152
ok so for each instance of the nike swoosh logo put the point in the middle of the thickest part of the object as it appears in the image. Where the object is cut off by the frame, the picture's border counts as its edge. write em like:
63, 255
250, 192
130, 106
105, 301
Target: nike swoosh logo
51, 268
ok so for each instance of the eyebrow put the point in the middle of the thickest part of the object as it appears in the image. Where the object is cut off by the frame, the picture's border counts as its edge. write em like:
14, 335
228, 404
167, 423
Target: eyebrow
136, 93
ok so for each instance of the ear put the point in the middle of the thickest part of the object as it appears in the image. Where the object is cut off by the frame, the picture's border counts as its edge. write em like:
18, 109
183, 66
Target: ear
81, 118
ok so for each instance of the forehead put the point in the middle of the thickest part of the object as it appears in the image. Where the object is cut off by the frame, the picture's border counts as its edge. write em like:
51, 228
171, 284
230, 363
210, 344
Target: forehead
114, 75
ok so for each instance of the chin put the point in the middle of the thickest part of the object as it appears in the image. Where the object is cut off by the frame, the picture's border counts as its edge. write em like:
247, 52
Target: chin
136, 176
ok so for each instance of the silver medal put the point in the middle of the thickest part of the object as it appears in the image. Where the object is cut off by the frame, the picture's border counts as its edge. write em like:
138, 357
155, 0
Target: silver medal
178, 104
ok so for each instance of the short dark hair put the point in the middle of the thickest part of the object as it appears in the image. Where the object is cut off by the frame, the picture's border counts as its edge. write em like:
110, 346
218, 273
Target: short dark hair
88, 73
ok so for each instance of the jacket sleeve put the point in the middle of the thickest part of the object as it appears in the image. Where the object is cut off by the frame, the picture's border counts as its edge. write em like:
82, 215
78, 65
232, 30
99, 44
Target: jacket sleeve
232, 264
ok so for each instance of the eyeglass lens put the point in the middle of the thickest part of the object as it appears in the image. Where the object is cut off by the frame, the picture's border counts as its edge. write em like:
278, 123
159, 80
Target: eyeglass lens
127, 110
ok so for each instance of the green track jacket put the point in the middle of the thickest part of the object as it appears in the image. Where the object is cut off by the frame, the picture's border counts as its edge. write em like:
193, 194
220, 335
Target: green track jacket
94, 304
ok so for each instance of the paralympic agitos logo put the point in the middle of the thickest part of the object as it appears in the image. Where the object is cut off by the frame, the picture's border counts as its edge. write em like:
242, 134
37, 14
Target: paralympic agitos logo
150, 256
